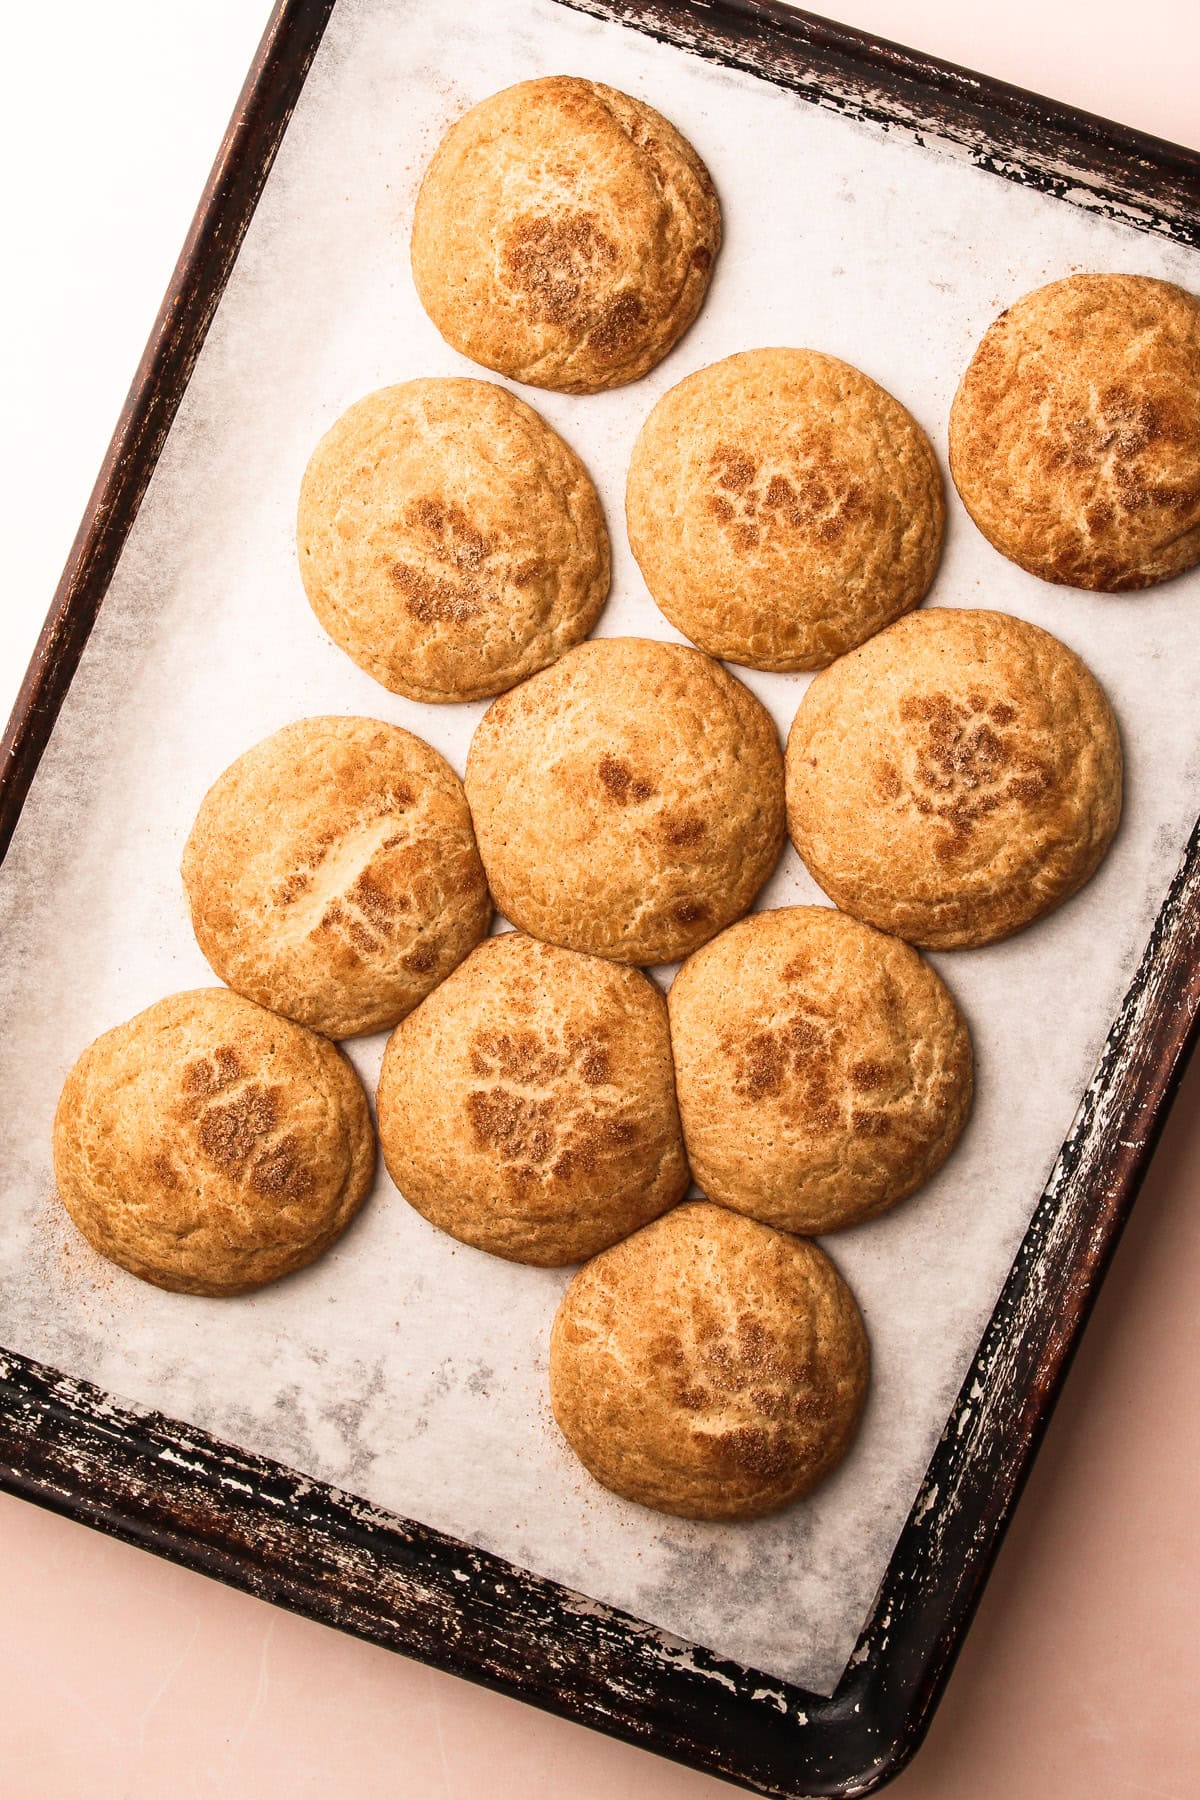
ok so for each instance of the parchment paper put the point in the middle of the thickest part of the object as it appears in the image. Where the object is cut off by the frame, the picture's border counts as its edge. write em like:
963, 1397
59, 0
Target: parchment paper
405, 1367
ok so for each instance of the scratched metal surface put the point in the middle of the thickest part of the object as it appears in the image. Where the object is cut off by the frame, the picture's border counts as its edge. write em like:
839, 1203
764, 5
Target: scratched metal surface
405, 1368
1115, 173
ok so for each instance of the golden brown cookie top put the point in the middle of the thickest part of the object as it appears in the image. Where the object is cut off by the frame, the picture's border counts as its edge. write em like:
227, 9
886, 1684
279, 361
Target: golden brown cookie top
709, 1366
449, 540
783, 507
1075, 432
528, 1105
824, 1071
564, 234
209, 1146
954, 778
332, 874
628, 801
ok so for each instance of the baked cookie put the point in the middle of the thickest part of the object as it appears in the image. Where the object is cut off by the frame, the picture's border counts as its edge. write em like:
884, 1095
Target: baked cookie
1075, 432
528, 1105
564, 234
709, 1366
628, 801
450, 542
954, 778
332, 874
824, 1072
209, 1146
783, 507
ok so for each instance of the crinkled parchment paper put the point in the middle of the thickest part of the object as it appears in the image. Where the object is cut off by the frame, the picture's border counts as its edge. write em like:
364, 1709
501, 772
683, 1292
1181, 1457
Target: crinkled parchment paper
405, 1367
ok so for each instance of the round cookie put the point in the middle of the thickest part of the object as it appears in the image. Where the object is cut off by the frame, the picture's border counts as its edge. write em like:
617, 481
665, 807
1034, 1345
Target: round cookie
954, 778
210, 1147
1075, 432
565, 235
332, 874
528, 1105
823, 1070
783, 507
709, 1366
628, 801
449, 541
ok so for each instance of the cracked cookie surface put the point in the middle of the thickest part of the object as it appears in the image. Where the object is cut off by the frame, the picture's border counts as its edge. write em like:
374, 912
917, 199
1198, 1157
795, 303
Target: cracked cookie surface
332, 874
528, 1106
449, 541
824, 1071
954, 778
210, 1147
1075, 432
628, 801
564, 235
709, 1366
783, 507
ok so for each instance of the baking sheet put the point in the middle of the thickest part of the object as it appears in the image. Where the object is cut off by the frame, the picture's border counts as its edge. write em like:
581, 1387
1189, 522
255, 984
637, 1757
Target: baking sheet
404, 1367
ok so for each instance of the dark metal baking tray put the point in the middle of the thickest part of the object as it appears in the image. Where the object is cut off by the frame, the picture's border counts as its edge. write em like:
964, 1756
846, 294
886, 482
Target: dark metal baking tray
272, 1531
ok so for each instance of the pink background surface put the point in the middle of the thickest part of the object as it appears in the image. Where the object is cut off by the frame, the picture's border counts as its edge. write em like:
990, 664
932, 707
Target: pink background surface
125, 1677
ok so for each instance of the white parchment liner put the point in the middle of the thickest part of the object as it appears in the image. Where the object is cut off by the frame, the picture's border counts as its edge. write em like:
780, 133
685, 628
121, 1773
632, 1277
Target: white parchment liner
404, 1367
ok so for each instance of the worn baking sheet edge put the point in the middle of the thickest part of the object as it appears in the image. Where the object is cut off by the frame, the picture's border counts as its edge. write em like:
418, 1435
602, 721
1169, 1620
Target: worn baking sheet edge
260, 118
1133, 179
305, 1545
268, 1530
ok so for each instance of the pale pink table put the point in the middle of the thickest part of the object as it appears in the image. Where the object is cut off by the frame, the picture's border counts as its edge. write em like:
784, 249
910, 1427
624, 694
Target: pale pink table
127, 1679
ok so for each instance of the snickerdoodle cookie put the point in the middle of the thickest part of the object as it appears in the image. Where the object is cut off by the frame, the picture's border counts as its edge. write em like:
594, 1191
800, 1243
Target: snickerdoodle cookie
209, 1146
709, 1366
1075, 432
449, 541
824, 1071
783, 507
528, 1105
628, 801
954, 778
332, 874
564, 234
